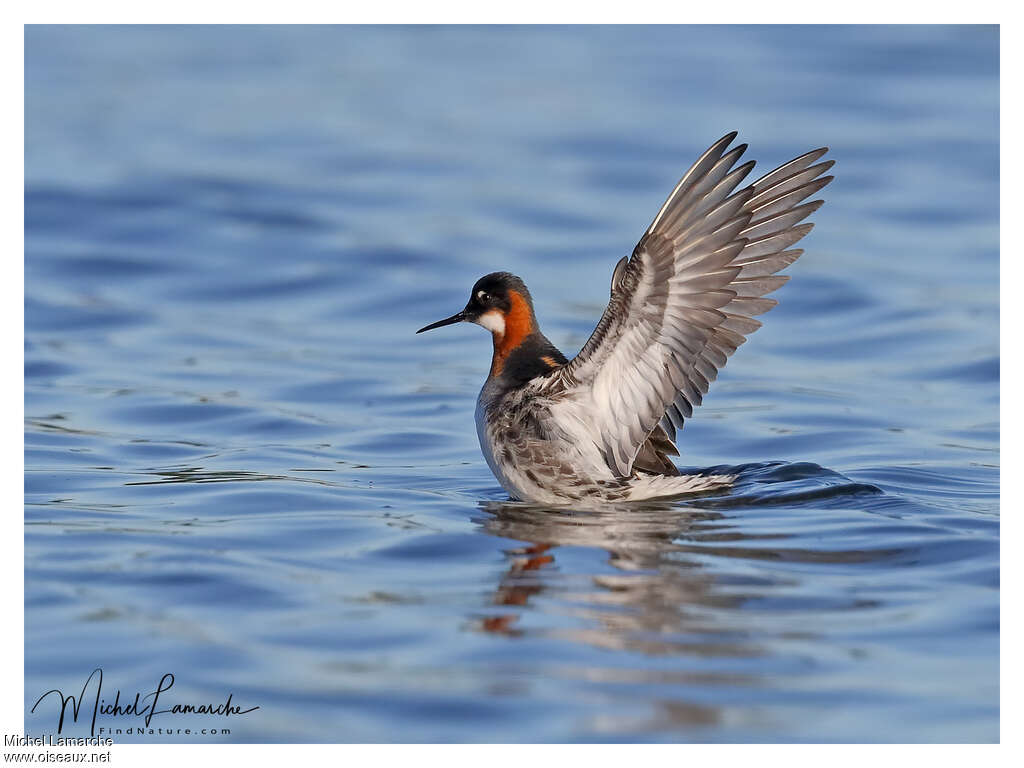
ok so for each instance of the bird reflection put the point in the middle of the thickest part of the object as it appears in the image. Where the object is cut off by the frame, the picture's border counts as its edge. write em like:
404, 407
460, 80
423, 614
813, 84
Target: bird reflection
688, 585
515, 588
664, 596
659, 600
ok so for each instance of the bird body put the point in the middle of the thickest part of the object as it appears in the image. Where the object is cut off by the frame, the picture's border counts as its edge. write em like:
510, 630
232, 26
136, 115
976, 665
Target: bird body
540, 448
602, 426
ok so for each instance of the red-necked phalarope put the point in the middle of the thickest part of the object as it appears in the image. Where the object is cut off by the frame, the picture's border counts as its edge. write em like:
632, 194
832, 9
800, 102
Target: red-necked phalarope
603, 425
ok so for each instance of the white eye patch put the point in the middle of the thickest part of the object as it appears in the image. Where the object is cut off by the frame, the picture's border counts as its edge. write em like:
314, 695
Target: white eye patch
482, 295
493, 321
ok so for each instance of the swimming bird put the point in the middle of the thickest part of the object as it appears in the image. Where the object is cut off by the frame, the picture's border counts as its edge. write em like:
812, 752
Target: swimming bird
603, 425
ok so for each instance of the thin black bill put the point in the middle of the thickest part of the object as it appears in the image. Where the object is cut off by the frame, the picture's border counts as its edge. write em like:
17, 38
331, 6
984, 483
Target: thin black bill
456, 318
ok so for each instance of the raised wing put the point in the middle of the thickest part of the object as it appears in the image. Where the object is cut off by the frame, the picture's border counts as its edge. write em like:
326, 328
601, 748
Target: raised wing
686, 299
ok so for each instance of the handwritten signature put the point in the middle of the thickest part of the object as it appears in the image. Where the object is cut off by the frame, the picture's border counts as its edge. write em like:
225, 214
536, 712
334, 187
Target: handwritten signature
138, 707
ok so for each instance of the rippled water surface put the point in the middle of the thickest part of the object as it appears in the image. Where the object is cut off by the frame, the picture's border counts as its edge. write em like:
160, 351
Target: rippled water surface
244, 469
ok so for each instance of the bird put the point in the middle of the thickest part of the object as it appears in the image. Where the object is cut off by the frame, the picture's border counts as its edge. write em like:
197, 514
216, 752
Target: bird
603, 426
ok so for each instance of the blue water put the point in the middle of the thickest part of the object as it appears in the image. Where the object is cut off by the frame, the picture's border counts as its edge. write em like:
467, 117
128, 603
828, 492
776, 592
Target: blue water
244, 469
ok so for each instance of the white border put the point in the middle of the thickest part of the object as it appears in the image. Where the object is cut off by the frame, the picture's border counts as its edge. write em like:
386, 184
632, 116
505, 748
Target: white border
11, 703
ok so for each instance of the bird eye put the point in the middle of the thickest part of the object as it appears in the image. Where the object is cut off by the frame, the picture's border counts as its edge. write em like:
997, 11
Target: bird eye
483, 295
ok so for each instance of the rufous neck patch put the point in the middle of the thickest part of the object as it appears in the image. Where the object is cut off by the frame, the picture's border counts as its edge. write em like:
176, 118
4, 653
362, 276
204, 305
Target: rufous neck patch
518, 325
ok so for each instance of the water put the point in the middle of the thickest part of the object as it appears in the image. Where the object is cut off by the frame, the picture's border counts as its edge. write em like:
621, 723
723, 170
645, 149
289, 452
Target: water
243, 468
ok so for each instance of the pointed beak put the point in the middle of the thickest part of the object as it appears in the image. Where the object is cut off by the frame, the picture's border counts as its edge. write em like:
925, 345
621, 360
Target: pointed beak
456, 318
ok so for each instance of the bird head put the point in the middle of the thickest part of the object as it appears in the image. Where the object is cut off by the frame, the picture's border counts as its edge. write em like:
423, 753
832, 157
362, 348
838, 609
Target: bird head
498, 302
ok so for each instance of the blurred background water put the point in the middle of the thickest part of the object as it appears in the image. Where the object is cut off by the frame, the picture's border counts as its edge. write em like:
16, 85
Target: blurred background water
243, 468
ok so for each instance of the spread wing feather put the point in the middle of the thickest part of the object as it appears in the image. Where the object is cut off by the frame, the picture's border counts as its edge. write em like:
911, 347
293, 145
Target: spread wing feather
685, 300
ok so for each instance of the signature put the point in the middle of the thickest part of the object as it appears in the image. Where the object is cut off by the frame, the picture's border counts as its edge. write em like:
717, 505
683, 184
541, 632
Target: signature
141, 706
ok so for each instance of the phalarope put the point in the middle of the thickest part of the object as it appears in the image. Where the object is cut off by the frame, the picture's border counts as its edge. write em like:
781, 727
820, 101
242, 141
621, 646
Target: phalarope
603, 425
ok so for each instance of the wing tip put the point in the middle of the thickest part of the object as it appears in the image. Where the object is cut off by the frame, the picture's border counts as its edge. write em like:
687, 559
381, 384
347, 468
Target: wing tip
719, 147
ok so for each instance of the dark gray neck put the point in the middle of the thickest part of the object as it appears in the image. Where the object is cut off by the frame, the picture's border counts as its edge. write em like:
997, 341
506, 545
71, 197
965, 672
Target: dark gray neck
534, 356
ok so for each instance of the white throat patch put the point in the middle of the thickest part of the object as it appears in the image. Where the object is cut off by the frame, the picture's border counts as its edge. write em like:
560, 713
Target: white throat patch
493, 321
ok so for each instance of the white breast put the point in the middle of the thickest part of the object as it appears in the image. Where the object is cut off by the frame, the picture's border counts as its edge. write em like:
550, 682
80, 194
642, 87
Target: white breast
486, 445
